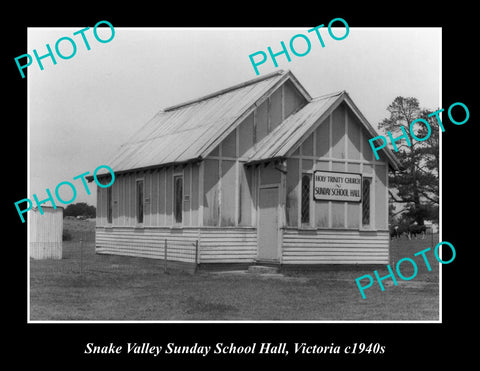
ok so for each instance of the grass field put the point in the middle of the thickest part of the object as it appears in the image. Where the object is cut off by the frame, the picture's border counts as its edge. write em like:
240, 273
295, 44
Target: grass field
124, 288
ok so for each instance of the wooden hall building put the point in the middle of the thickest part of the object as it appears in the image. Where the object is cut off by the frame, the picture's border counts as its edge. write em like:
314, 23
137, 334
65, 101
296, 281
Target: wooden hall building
244, 171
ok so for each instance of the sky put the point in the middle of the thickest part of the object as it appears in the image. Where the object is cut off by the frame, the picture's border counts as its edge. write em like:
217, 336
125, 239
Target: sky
83, 108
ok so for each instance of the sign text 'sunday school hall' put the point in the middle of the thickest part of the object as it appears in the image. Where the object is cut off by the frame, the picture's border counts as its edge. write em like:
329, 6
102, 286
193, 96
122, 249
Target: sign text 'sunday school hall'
337, 186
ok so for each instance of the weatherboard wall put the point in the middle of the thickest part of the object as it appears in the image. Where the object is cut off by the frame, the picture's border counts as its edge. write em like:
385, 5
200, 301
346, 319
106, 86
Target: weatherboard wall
337, 143
330, 246
221, 192
219, 208
215, 245
157, 201
335, 233
217, 191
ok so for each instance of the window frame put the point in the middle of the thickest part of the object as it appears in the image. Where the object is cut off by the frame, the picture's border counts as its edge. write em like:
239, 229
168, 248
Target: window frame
137, 203
368, 225
175, 201
308, 208
109, 205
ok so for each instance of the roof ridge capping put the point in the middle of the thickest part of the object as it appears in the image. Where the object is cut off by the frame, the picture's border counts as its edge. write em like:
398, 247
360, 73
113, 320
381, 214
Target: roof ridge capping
226, 90
330, 95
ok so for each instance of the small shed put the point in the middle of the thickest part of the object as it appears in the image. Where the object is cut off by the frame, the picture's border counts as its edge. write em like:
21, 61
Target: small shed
45, 233
258, 172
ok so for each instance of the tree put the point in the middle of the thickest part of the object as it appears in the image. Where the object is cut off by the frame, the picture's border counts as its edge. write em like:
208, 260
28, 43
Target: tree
417, 184
80, 209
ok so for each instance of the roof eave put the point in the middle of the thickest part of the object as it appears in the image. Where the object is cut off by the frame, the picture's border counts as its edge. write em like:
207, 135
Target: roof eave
392, 159
146, 168
343, 96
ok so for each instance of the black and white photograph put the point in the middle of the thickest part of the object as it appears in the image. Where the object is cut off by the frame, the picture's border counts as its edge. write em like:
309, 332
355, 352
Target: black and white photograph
227, 192
214, 193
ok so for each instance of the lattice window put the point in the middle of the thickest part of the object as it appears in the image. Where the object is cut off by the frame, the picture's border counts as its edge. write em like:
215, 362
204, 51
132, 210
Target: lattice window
305, 199
140, 201
366, 201
178, 198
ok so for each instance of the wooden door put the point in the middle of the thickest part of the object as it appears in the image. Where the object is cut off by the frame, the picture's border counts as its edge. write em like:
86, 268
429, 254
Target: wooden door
268, 224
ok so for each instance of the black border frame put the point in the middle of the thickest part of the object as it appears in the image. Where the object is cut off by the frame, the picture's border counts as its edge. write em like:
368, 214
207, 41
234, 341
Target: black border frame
407, 344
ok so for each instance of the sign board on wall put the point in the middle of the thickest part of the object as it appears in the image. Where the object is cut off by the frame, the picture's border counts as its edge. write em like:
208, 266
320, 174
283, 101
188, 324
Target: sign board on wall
337, 186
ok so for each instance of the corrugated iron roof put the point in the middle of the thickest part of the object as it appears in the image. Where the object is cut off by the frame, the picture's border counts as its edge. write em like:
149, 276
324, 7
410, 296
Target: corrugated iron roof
185, 132
189, 131
285, 138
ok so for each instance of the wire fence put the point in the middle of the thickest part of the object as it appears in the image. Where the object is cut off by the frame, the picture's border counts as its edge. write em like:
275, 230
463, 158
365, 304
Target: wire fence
82, 254
180, 251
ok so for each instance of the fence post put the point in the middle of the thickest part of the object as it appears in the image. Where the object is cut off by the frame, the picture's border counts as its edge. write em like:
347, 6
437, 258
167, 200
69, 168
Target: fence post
165, 257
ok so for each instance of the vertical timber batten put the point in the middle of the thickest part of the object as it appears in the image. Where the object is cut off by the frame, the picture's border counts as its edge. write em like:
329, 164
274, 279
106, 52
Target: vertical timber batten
239, 176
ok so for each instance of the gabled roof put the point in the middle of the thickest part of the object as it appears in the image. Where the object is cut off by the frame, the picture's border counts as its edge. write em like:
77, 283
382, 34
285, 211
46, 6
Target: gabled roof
283, 138
191, 130
286, 137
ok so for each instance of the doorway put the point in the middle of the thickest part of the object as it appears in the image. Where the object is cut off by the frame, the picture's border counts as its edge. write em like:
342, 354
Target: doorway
268, 224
